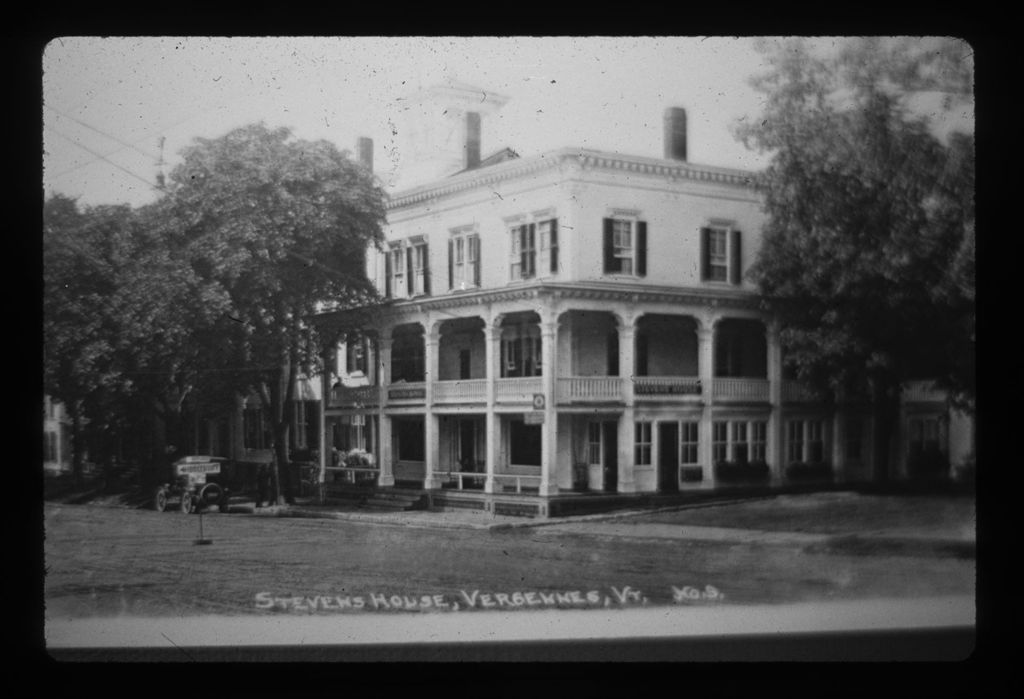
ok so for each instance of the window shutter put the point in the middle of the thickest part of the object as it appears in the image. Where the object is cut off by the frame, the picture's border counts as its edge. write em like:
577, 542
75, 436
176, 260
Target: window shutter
554, 246
474, 243
387, 273
426, 269
524, 270
641, 248
451, 263
705, 254
532, 237
735, 273
609, 247
364, 361
641, 354
408, 271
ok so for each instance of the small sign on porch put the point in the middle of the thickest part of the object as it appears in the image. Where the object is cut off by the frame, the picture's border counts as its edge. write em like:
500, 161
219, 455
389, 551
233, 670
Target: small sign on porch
536, 418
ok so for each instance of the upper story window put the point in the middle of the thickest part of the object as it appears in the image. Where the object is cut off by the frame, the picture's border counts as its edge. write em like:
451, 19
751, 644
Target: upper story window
625, 246
548, 232
464, 260
533, 249
357, 355
721, 256
407, 269
523, 263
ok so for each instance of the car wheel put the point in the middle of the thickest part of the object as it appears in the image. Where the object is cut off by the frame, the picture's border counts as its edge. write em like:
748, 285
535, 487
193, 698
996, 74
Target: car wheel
160, 499
187, 505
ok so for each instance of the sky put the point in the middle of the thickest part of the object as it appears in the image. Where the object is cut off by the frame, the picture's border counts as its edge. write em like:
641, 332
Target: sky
114, 108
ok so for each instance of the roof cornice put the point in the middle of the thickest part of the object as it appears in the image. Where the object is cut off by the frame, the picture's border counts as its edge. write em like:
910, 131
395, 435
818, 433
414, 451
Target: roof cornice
591, 291
585, 159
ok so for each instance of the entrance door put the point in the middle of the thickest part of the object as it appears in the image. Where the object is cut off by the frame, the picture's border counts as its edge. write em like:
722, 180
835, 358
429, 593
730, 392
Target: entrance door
668, 457
467, 445
611, 456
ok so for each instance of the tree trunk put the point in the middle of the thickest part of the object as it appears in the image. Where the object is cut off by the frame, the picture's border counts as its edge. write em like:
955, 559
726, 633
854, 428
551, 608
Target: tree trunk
887, 408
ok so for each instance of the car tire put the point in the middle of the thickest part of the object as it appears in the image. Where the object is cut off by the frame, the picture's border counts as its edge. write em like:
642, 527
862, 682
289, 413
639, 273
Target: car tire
160, 499
188, 506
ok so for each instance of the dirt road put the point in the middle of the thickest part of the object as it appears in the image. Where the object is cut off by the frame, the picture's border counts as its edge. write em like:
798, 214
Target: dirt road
108, 561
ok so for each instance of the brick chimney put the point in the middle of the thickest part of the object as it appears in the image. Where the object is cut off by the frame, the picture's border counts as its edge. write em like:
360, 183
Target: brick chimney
364, 151
472, 140
675, 133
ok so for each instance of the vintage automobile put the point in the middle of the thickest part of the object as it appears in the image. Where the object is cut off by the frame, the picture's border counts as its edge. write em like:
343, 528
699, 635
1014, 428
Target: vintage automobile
191, 489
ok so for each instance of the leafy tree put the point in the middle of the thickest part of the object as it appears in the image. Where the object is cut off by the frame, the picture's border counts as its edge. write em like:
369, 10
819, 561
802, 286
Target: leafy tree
125, 322
280, 226
868, 249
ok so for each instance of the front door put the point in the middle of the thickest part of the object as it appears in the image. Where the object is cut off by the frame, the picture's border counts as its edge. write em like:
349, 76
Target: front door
467, 445
668, 457
611, 456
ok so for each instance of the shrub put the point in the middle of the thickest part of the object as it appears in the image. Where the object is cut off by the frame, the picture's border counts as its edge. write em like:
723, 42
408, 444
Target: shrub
693, 474
742, 472
802, 471
928, 464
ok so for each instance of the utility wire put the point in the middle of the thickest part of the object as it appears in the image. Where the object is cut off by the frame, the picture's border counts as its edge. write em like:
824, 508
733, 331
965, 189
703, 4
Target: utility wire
101, 133
104, 158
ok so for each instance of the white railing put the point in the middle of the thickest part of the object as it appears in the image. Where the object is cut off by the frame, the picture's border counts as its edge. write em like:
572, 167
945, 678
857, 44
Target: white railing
662, 386
518, 480
589, 388
407, 392
922, 391
741, 389
463, 476
355, 395
463, 391
351, 472
518, 390
796, 392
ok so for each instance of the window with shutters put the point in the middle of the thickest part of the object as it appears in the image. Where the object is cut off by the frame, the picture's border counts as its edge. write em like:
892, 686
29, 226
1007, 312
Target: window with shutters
720, 252
356, 355
625, 246
718, 262
464, 261
397, 272
548, 258
300, 425
523, 262
420, 270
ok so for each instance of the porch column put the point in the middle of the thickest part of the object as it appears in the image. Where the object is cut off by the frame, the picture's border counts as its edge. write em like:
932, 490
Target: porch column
492, 336
773, 447
432, 449
706, 349
386, 477
627, 368
549, 431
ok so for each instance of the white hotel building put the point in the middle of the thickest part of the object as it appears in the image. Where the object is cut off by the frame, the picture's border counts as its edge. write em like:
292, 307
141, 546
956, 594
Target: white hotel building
576, 322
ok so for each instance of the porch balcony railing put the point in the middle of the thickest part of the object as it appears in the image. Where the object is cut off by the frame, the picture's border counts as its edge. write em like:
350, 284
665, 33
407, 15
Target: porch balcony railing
353, 474
462, 391
741, 389
461, 478
797, 392
646, 387
922, 392
517, 390
517, 481
583, 389
351, 396
407, 392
